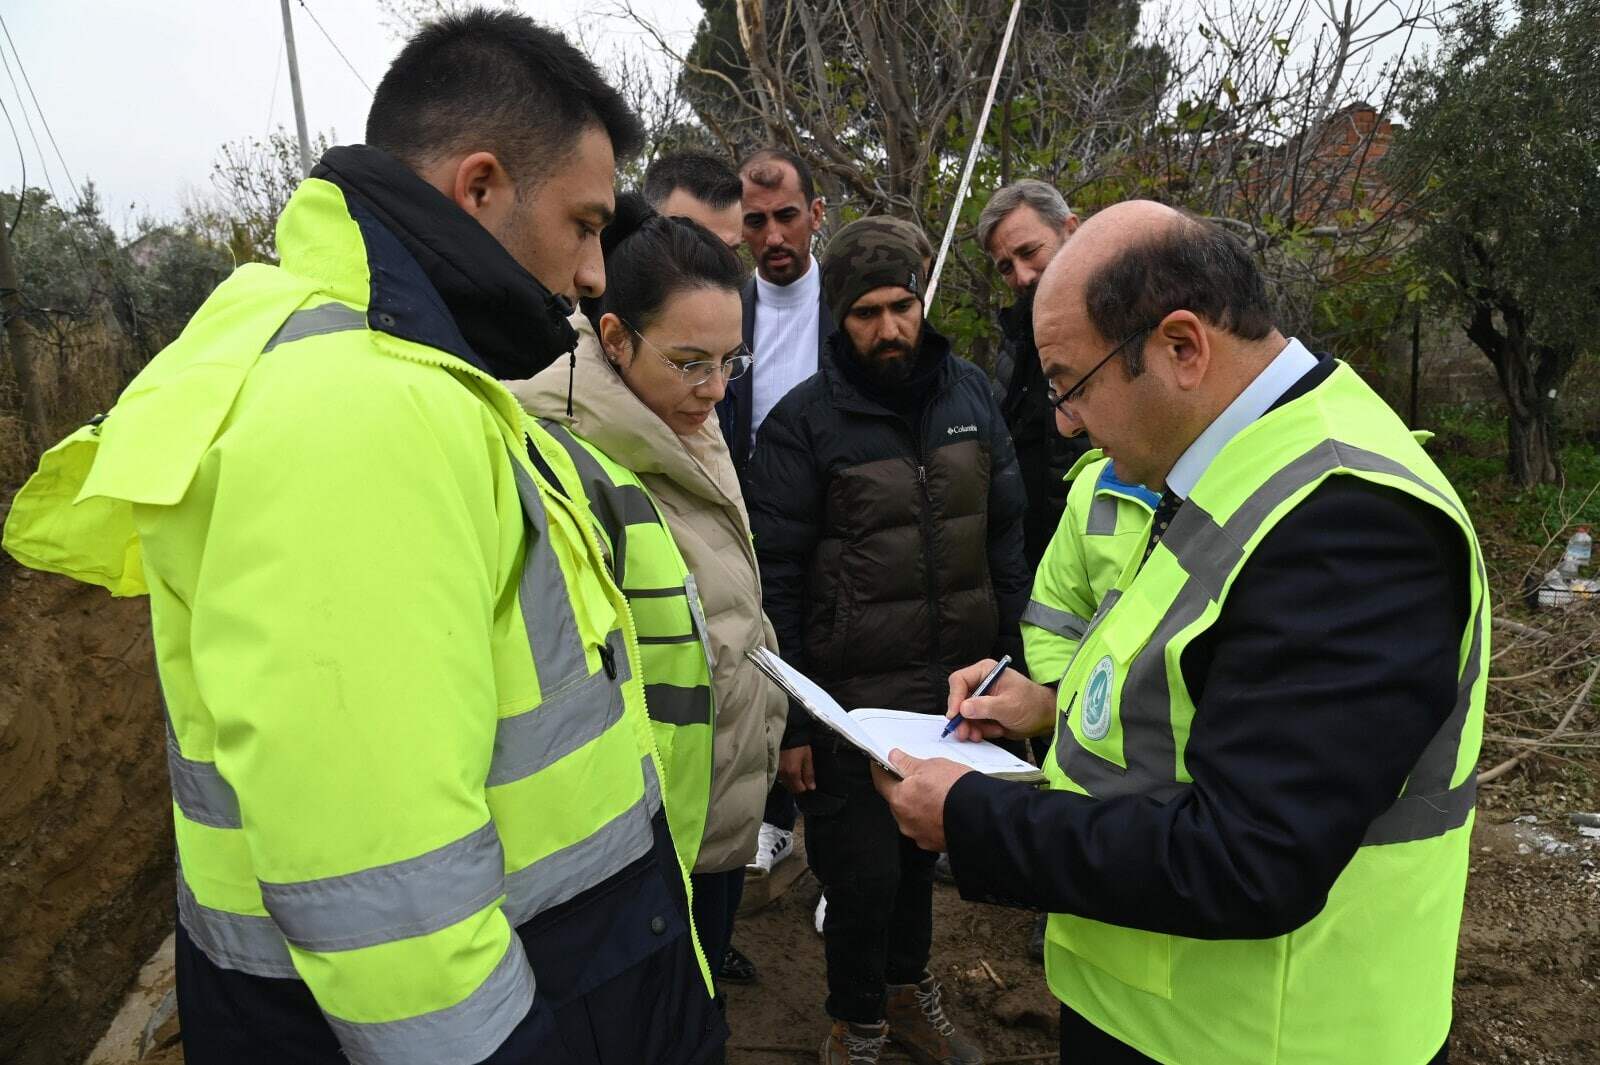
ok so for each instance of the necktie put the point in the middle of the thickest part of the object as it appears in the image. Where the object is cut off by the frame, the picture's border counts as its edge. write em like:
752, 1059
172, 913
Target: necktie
1165, 509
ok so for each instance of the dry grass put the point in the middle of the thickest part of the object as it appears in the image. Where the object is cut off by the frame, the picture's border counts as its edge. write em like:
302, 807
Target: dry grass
83, 371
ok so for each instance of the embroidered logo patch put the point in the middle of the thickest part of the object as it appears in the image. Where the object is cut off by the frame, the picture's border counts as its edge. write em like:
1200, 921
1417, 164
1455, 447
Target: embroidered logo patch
956, 429
1097, 701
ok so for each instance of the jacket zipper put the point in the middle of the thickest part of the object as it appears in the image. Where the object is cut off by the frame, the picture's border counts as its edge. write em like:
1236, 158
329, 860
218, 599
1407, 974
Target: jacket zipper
927, 536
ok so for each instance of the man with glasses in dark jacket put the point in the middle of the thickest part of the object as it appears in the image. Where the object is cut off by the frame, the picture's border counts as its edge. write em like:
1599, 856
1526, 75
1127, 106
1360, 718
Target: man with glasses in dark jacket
1021, 229
887, 511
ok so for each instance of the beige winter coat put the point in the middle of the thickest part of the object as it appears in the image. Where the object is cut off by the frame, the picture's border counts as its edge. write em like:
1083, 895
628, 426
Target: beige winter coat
694, 482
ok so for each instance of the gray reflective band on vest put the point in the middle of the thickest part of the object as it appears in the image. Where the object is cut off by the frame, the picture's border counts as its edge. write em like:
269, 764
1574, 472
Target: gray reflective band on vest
1209, 554
564, 721
574, 869
1062, 623
400, 900
235, 941
315, 321
682, 637
199, 790
1414, 817
615, 506
470, 1030
558, 652
672, 705
1102, 516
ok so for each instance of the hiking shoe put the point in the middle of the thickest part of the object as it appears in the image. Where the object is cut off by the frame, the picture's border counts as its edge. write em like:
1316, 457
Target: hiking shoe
736, 967
773, 845
1036, 939
854, 1044
916, 1019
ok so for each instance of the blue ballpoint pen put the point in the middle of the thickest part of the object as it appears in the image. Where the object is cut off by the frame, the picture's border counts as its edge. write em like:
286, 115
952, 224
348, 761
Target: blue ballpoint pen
982, 689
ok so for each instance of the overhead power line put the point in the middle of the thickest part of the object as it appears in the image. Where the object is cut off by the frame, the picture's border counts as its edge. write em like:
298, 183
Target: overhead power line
277, 75
43, 120
22, 105
22, 159
329, 38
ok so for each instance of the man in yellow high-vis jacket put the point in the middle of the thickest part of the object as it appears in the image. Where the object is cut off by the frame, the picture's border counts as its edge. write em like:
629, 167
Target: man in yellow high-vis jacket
1102, 525
1254, 843
417, 800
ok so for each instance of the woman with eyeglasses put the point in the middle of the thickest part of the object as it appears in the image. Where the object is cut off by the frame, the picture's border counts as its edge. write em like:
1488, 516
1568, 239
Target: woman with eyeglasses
654, 356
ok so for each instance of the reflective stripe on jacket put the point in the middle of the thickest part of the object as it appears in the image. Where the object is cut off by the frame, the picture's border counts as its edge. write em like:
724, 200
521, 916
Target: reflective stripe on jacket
1370, 977
404, 706
1104, 523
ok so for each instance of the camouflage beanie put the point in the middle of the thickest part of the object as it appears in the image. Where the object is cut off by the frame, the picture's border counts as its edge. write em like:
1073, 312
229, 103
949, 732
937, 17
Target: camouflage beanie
868, 254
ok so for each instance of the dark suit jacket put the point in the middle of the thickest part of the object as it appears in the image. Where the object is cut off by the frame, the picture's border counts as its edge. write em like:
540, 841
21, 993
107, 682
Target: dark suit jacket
734, 412
1280, 801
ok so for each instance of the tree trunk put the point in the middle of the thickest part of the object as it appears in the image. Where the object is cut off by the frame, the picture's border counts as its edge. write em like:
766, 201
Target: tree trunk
1531, 375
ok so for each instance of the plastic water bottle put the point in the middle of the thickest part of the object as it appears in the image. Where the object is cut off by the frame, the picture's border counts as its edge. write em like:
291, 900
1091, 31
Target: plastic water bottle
1580, 548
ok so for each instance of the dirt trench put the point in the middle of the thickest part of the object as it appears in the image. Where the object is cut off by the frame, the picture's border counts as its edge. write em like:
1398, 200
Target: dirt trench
85, 814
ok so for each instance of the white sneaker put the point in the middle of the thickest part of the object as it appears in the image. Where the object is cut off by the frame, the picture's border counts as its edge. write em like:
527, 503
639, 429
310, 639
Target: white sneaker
773, 845
821, 914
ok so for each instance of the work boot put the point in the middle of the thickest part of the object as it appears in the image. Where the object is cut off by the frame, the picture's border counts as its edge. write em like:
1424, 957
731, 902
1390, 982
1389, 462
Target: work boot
915, 1013
854, 1044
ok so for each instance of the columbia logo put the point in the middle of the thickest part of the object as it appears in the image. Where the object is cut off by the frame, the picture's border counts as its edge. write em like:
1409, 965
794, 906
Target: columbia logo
954, 429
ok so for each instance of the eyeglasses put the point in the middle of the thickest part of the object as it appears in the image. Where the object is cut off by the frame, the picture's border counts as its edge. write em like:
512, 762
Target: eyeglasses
734, 365
1073, 394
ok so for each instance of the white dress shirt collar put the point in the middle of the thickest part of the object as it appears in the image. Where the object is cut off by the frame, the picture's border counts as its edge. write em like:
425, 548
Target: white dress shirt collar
1290, 364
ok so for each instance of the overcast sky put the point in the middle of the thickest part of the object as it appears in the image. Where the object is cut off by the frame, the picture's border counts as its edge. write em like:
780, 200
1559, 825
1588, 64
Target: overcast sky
140, 93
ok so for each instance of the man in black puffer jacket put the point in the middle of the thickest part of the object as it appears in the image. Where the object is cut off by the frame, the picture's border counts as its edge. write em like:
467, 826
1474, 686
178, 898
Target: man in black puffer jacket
887, 510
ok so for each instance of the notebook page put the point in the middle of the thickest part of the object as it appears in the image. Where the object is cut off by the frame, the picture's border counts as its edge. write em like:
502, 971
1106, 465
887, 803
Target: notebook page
918, 735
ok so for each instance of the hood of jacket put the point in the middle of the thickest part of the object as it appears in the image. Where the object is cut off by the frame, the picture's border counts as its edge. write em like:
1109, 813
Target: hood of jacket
606, 413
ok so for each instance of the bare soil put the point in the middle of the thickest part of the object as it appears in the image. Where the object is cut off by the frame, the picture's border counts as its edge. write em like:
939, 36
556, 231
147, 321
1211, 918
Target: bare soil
1527, 975
85, 823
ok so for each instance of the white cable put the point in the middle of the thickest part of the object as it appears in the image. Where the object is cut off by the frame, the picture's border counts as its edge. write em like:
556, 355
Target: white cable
972, 158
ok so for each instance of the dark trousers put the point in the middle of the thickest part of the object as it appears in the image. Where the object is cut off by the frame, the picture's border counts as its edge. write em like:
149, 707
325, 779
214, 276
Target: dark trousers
879, 886
716, 904
780, 809
1084, 1044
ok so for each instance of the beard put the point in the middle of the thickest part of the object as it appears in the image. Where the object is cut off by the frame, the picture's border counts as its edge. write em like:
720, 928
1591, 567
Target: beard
889, 363
790, 271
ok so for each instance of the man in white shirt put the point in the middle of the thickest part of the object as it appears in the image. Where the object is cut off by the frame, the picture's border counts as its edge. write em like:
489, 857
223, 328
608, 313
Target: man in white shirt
786, 323
785, 318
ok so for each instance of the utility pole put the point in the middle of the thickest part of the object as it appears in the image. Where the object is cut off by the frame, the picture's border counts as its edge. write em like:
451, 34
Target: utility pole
17, 338
294, 87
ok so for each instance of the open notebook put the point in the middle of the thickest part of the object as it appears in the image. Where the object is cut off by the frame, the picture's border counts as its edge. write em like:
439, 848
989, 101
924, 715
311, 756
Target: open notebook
877, 732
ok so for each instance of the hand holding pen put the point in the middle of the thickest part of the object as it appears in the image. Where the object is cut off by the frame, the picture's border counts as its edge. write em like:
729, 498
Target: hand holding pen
982, 689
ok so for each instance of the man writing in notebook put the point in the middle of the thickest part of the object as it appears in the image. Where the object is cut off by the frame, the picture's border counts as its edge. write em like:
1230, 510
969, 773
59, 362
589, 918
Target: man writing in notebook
887, 511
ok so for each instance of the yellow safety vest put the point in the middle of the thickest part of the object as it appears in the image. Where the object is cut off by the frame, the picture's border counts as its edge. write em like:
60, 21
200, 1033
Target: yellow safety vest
674, 650
1369, 978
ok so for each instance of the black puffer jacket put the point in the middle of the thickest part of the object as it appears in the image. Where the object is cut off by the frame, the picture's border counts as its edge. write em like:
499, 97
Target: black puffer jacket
890, 544
1043, 454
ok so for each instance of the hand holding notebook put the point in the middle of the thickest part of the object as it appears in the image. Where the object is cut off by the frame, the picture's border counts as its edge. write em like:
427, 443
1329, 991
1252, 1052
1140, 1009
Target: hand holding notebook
876, 732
